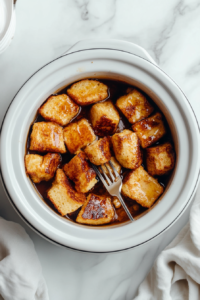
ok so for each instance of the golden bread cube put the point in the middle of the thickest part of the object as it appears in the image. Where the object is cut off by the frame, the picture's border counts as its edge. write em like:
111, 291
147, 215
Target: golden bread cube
138, 185
88, 91
116, 165
104, 118
41, 168
134, 106
59, 109
150, 130
65, 199
126, 146
97, 210
79, 171
99, 151
160, 159
47, 137
78, 135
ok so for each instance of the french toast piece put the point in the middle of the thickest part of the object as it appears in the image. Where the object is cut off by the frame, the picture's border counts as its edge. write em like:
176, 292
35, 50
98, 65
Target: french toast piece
97, 210
63, 196
160, 159
104, 118
78, 135
150, 130
79, 171
88, 91
99, 151
47, 137
116, 165
141, 187
134, 106
59, 109
126, 146
42, 167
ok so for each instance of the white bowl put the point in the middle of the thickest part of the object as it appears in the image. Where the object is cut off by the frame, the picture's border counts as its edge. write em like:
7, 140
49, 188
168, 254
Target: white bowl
113, 64
7, 23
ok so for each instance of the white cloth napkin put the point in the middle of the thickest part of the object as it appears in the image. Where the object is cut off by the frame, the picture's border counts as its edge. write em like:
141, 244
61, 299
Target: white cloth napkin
20, 271
176, 272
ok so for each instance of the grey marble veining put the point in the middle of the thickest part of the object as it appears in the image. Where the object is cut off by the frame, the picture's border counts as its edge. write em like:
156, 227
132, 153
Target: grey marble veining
169, 31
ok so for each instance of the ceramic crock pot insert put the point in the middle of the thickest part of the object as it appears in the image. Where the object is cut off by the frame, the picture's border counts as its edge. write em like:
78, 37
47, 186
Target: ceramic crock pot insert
100, 63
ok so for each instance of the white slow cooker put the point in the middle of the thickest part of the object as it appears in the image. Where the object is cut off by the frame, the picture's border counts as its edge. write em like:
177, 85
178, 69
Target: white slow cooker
7, 23
100, 59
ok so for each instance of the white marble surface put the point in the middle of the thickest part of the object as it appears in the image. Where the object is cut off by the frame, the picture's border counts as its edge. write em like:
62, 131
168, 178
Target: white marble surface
169, 30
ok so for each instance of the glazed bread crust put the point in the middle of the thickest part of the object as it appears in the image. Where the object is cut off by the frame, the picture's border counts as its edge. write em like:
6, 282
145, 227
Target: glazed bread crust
78, 135
97, 210
104, 118
160, 159
47, 137
42, 168
134, 106
88, 91
59, 109
99, 151
65, 199
127, 150
80, 172
150, 130
138, 185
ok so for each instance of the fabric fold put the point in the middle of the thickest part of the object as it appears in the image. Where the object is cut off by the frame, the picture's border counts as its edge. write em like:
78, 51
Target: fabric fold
20, 270
177, 268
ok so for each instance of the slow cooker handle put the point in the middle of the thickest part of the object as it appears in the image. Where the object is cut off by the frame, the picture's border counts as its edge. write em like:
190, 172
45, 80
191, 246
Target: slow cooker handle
111, 44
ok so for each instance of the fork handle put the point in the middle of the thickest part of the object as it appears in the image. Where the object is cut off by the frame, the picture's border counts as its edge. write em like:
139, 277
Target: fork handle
125, 207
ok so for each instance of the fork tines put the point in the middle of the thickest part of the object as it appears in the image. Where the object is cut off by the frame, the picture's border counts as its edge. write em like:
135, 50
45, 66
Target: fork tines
112, 184
112, 177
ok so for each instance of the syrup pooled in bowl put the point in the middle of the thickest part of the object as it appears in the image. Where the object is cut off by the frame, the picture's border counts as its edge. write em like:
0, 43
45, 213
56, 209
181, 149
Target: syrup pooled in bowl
116, 89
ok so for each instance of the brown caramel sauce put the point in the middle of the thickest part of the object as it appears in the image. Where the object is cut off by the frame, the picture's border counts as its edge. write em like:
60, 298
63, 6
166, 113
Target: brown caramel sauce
116, 89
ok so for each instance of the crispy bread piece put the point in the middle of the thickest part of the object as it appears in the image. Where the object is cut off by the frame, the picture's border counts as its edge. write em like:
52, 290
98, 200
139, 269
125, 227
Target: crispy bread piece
59, 109
127, 150
99, 151
150, 130
63, 196
87, 91
78, 135
79, 171
42, 167
160, 159
47, 137
141, 187
96, 210
104, 118
115, 164
134, 106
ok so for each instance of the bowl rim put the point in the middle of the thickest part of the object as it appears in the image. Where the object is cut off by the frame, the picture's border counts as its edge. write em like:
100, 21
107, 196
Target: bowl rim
9, 5
56, 242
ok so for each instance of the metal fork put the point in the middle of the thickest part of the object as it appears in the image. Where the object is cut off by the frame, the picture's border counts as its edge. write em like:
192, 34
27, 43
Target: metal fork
113, 185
